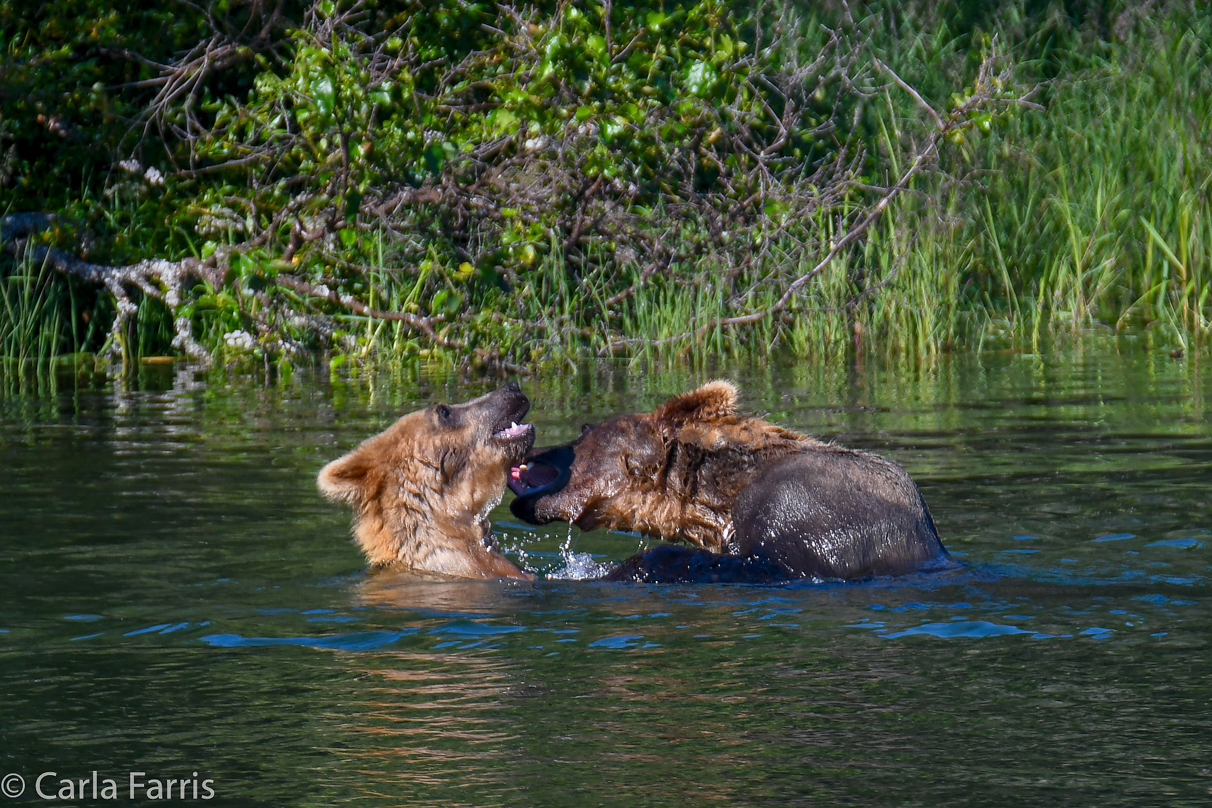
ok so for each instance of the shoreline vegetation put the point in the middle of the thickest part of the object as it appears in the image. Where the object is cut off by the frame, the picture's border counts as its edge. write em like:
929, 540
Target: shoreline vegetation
522, 185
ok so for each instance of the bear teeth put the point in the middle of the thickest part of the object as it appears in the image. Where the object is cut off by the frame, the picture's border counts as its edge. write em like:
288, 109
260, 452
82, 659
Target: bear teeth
512, 431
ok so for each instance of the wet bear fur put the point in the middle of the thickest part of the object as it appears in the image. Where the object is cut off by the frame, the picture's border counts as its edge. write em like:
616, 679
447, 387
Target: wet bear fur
422, 489
734, 488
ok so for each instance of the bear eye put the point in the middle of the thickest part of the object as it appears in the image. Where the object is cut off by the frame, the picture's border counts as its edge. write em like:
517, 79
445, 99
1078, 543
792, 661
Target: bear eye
585, 428
443, 412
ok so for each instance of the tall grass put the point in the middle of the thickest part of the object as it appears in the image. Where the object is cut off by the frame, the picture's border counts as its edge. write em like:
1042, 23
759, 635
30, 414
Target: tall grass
1099, 212
42, 321
31, 329
1093, 214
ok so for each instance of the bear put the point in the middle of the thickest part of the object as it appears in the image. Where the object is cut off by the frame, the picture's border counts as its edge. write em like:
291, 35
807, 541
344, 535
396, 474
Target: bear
757, 502
422, 489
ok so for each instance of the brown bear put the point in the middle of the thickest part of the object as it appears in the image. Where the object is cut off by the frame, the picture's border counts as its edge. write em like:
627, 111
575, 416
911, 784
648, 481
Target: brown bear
421, 490
737, 487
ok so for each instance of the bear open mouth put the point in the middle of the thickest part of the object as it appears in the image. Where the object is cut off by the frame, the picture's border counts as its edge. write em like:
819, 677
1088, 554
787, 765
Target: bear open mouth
513, 431
543, 472
532, 476
508, 429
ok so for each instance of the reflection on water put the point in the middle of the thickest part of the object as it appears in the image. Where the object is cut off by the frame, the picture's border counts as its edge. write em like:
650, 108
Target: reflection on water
177, 598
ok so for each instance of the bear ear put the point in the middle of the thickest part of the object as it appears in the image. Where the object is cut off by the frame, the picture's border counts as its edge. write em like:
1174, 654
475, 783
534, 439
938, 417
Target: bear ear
713, 400
347, 477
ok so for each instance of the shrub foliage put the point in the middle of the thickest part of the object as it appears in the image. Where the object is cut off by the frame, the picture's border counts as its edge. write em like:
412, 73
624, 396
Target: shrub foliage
515, 181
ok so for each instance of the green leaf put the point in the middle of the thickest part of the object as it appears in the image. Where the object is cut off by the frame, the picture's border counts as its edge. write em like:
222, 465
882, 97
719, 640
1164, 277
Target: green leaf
503, 121
774, 208
612, 128
701, 78
381, 95
446, 302
324, 93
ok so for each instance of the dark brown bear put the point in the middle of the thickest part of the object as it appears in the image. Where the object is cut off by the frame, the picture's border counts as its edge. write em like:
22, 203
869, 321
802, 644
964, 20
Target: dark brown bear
764, 502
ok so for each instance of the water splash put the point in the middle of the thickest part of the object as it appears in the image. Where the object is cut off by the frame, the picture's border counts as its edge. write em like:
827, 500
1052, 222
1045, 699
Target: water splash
566, 545
578, 567
516, 544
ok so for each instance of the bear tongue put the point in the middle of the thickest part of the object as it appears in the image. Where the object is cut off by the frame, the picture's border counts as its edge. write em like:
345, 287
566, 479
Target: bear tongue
514, 430
515, 483
529, 476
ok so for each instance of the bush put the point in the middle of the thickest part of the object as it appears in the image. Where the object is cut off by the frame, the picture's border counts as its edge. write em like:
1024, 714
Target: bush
518, 182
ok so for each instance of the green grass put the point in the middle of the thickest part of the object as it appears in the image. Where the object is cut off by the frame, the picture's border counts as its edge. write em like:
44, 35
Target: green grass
42, 321
1099, 214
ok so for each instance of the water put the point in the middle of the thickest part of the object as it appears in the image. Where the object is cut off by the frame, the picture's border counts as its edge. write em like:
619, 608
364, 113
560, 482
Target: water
177, 598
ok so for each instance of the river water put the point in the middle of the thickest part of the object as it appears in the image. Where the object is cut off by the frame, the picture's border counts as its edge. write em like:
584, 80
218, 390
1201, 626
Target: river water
178, 600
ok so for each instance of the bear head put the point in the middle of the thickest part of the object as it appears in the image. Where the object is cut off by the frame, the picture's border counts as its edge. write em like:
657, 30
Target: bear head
585, 481
424, 485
